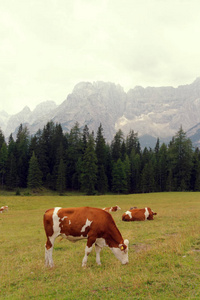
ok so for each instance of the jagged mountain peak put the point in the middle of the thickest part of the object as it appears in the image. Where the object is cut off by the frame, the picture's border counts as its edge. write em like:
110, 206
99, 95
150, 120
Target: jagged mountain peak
196, 81
26, 109
82, 85
4, 113
157, 111
45, 107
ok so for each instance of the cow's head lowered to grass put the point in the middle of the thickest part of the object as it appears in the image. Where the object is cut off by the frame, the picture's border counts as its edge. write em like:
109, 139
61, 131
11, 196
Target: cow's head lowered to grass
93, 224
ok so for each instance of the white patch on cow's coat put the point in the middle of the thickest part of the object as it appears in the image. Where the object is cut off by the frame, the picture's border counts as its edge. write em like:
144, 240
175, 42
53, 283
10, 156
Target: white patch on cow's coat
146, 213
56, 227
66, 217
128, 213
87, 223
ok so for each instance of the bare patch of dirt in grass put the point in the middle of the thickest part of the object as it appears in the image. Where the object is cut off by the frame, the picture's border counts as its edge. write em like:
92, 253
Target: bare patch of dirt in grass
141, 247
171, 234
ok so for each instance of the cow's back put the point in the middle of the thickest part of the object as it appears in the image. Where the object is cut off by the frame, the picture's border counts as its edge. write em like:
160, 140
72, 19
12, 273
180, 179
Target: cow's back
77, 221
134, 215
138, 214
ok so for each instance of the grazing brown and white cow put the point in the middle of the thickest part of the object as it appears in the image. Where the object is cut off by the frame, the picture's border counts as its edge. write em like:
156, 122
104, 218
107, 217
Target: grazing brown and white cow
3, 208
113, 208
93, 224
138, 214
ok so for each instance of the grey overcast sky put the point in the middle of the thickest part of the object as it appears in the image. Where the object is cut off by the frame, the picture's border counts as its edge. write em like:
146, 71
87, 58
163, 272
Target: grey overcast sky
48, 46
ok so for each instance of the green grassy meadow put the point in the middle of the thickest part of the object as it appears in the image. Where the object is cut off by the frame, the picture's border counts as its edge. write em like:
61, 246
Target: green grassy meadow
164, 254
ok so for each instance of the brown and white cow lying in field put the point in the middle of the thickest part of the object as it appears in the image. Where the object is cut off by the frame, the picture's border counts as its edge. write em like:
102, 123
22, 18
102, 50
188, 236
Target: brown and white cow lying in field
138, 214
93, 224
113, 208
3, 208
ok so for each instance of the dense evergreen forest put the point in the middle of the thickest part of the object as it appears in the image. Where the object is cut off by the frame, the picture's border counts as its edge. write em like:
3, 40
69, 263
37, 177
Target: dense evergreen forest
82, 161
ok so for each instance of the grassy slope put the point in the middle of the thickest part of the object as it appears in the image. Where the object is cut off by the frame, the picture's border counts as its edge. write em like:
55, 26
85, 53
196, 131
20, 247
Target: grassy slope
164, 254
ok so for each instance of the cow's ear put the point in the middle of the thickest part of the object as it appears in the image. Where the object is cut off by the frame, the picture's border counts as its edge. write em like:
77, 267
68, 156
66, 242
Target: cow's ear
122, 247
126, 242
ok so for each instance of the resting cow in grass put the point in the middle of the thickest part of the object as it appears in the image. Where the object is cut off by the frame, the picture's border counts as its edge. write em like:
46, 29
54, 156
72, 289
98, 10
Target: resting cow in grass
93, 224
113, 208
3, 208
138, 214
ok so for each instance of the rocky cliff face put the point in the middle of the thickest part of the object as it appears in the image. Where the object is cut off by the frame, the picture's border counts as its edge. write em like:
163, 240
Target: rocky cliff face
34, 120
153, 112
92, 104
161, 111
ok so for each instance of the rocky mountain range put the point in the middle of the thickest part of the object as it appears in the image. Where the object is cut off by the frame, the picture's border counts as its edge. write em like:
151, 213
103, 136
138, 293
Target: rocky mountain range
151, 112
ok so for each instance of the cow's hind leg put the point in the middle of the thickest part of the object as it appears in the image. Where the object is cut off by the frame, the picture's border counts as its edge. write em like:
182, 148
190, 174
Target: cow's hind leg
98, 250
99, 244
48, 253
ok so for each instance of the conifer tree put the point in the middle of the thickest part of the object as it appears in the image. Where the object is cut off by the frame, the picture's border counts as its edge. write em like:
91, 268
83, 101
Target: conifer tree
119, 180
11, 170
116, 145
147, 178
181, 160
135, 166
127, 169
108, 168
157, 166
3, 162
43, 156
100, 148
195, 172
163, 163
123, 151
132, 143
60, 184
89, 168
73, 153
2, 138
102, 183
34, 174
22, 158
85, 138
101, 153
